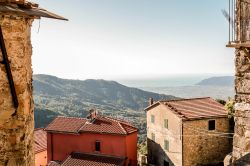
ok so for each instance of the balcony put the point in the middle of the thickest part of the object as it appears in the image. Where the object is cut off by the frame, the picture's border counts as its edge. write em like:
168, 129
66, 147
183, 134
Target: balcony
239, 23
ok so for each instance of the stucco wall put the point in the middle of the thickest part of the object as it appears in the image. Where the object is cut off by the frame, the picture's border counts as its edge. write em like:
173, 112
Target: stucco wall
41, 158
131, 148
201, 146
17, 125
156, 152
116, 145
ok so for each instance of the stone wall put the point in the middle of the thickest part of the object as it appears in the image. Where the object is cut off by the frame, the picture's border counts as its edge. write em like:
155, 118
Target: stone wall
17, 125
241, 142
203, 147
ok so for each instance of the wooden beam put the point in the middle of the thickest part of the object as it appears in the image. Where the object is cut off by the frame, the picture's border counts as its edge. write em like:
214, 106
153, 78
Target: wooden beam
8, 69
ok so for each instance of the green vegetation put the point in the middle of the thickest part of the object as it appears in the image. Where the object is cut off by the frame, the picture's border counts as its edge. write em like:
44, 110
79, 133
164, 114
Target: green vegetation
54, 96
142, 148
229, 106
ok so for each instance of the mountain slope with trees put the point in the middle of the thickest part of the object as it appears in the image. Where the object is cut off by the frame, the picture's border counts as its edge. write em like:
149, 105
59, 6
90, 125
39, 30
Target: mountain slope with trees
54, 96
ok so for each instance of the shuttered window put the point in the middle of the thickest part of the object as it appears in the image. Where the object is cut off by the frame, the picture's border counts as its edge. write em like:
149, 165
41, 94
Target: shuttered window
166, 145
166, 123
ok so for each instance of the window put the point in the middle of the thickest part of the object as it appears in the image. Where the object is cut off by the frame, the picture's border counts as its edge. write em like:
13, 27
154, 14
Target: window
153, 136
166, 163
152, 119
97, 146
166, 123
166, 145
129, 163
211, 125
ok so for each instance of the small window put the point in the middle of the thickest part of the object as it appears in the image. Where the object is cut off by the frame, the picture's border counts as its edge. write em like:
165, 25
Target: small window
153, 136
129, 163
166, 123
166, 163
152, 119
98, 146
211, 125
166, 145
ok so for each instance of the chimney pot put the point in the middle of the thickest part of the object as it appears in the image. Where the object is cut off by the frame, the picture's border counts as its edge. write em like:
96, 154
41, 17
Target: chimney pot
92, 114
151, 101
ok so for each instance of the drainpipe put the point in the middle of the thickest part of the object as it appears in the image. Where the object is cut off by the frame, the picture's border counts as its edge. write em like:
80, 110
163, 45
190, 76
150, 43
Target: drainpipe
52, 149
182, 156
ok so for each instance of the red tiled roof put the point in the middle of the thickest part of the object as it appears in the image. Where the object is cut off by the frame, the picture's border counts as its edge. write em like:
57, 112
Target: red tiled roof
53, 163
40, 140
80, 159
195, 108
101, 124
66, 124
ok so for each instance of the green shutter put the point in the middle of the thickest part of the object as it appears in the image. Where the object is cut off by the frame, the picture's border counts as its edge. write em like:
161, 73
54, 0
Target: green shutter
166, 123
166, 145
152, 119
153, 136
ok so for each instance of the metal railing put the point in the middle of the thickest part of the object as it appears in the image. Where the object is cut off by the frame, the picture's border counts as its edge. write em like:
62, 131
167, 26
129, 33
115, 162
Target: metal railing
239, 21
232, 21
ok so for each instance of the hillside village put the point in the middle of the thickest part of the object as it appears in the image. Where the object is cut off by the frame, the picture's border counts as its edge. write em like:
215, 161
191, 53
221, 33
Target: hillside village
179, 132
175, 128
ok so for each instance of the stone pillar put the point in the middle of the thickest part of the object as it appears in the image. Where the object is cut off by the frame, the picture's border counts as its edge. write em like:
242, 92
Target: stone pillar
241, 143
17, 125
241, 140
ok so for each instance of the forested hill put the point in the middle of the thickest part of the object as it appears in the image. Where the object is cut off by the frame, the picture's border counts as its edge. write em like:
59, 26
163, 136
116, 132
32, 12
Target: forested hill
76, 97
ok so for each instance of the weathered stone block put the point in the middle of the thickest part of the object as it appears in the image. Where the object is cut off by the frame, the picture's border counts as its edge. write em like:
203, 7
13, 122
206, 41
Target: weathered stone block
242, 62
242, 84
16, 125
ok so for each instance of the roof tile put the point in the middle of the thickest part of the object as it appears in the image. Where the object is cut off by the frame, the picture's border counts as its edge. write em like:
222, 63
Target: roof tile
194, 108
66, 124
40, 140
101, 124
80, 159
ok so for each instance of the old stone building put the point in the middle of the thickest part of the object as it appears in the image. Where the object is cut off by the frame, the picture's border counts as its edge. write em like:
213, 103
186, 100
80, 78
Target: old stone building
187, 132
16, 102
239, 38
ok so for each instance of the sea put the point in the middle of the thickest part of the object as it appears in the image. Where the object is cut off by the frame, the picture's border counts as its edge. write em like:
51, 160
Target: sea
184, 86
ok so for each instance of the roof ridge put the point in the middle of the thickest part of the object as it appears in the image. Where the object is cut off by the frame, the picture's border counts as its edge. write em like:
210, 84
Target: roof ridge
184, 99
68, 117
125, 132
121, 121
96, 154
40, 128
175, 110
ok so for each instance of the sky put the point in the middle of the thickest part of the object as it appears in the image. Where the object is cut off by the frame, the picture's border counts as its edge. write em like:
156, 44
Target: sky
116, 39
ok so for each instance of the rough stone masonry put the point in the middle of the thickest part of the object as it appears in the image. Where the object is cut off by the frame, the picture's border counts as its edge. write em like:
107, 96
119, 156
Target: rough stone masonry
17, 125
241, 142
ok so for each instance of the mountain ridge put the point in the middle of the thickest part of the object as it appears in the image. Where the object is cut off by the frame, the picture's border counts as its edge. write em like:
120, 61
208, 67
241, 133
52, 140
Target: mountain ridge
75, 97
217, 81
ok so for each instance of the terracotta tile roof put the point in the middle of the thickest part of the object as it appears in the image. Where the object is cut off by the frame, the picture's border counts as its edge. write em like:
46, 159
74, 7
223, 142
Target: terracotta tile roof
53, 163
101, 124
195, 108
80, 159
66, 124
40, 140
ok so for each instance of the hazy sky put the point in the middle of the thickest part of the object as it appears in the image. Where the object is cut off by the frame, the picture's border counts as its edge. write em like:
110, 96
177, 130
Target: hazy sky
114, 39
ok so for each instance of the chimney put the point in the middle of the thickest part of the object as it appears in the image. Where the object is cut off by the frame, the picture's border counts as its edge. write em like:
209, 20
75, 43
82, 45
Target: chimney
92, 114
150, 101
16, 98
